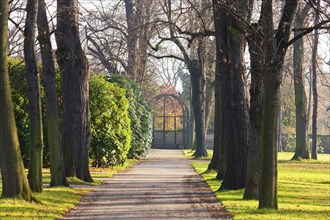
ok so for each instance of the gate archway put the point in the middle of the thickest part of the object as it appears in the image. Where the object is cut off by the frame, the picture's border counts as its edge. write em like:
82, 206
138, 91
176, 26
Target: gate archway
170, 122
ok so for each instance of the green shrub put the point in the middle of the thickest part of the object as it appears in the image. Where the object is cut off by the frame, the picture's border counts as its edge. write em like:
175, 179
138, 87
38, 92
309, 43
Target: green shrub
19, 90
289, 142
110, 123
140, 115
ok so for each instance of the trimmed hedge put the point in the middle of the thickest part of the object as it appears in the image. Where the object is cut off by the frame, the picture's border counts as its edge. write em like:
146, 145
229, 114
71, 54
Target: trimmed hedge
140, 115
110, 123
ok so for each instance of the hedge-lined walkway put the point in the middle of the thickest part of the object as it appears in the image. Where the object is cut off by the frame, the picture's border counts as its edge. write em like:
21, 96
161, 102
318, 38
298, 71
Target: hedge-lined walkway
162, 186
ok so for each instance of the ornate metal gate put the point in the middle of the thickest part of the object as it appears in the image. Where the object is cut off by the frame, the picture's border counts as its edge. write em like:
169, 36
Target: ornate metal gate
170, 122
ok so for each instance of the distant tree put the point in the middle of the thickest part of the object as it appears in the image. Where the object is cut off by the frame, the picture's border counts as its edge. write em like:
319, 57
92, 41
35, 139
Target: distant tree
117, 40
193, 55
75, 91
138, 33
14, 181
314, 84
301, 150
16, 19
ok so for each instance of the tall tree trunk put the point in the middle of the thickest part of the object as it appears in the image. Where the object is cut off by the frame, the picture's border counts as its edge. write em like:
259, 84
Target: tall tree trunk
33, 79
301, 150
75, 95
198, 93
274, 49
14, 181
230, 48
314, 84
256, 94
268, 174
49, 78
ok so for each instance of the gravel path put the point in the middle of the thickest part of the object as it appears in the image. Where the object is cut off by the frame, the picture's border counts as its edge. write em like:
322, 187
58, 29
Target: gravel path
162, 186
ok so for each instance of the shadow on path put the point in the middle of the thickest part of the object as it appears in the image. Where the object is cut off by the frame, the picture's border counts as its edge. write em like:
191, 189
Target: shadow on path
162, 186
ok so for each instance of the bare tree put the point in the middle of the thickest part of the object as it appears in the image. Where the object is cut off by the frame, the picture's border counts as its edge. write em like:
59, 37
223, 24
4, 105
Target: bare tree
120, 42
185, 30
17, 15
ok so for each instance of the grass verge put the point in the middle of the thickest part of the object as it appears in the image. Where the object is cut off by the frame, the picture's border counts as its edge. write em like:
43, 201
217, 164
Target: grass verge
303, 190
55, 201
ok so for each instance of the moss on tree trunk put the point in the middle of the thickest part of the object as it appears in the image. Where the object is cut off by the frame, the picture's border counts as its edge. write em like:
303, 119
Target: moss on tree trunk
14, 181
58, 177
33, 79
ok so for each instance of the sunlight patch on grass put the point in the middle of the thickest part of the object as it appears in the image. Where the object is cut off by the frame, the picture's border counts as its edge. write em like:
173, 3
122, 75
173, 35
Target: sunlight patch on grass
55, 201
189, 154
303, 190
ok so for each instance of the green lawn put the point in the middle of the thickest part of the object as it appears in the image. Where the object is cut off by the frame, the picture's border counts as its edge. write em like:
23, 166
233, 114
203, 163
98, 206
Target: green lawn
55, 201
303, 190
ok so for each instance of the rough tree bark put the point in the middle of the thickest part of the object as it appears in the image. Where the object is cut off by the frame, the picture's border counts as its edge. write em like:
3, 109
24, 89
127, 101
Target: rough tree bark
209, 102
255, 113
215, 160
14, 181
274, 47
301, 150
230, 50
218, 157
198, 104
52, 119
75, 91
33, 79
